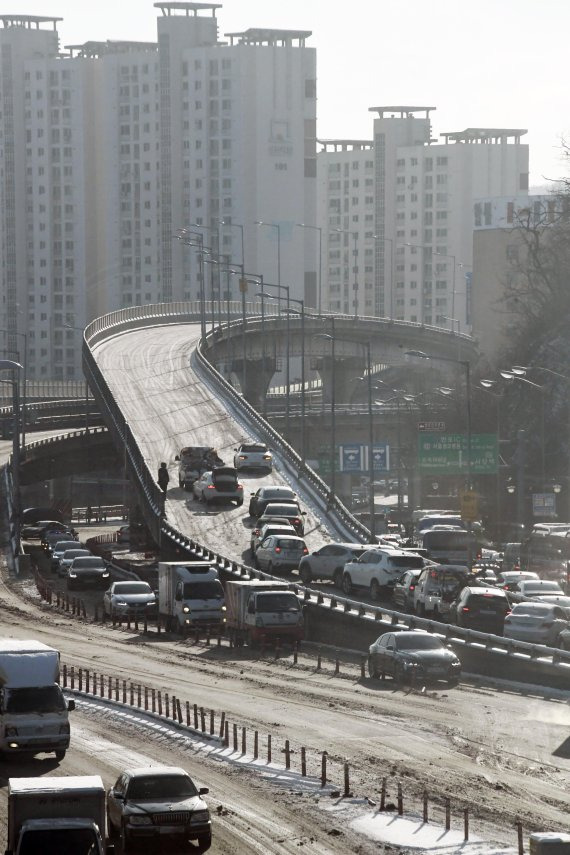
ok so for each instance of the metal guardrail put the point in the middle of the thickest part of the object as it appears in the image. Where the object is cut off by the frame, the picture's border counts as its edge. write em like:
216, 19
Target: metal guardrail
151, 495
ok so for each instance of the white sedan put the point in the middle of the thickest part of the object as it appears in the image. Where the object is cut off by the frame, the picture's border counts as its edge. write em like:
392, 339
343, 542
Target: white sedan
253, 455
129, 599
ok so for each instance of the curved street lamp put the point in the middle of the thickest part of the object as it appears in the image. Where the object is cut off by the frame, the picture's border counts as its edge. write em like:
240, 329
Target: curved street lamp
11, 365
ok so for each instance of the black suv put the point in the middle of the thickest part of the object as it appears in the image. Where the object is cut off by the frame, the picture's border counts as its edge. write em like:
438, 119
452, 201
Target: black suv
482, 609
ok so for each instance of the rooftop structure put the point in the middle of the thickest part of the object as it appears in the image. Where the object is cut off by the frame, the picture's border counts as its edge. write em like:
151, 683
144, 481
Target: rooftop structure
404, 111
485, 135
93, 49
29, 22
346, 145
168, 8
273, 38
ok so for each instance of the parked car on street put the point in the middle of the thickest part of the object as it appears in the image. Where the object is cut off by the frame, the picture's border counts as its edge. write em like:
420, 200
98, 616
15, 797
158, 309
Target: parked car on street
403, 591
289, 512
273, 493
413, 656
537, 622
130, 599
158, 804
259, 534
219, 485
69, 556
328, 562
481, 608
280, 552
253, 455
88, 571
378, 569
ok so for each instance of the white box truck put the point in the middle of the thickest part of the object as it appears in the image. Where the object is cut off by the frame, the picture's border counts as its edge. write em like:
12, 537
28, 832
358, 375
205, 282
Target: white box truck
49, 815
34, 714
190, 596
259, 612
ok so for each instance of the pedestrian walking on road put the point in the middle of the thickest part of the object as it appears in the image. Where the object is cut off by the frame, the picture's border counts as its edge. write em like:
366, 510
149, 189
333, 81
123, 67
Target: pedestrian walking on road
163, 477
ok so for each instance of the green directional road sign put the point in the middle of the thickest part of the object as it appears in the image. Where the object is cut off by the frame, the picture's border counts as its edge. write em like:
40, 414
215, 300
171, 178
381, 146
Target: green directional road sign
446, 453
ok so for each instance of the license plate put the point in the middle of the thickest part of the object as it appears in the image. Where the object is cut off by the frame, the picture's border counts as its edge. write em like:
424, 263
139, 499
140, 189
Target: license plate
486, 612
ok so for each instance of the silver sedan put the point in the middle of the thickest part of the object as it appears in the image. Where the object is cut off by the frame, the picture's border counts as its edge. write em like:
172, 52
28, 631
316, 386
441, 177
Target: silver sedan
130, 599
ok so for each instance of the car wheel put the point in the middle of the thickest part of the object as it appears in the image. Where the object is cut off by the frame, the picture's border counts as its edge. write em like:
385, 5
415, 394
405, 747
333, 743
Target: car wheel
239, 503
372, 669
399, 675
347, 584
305, 574
111, 830
453, 682
374, 590
270, 568
204, 843
251, 642
60, 754
421, 609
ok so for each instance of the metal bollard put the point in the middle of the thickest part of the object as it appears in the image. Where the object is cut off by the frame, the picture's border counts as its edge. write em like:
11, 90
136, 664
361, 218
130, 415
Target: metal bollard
178, 711
81, 679
256, 745
324, 769
235, 737
139, 696
102, 686
243, 741
73, 677
447, 814
166, 705
269, 748
347, 792
188, 714
146, 697
222, 724
208, 637
466, 823
287, 754
159, 703
383, 795
425, 805
202, 720
227, 734
195, 716
211, 722
363, 668
520, 837
132, 695
319, 660
304, 762
64, 676
295, 653
116, 688
124, 691
337, 667
400, 799
153, 699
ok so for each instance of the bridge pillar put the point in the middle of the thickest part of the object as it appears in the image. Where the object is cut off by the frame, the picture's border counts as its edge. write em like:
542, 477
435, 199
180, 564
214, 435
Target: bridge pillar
346, 369
258, 376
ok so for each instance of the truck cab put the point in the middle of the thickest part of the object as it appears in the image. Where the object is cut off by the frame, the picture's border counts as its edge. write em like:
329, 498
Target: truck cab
260, 612
190, 596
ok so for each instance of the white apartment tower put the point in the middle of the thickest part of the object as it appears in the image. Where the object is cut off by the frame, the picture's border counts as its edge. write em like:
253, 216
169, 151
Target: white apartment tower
422, 229
109, 148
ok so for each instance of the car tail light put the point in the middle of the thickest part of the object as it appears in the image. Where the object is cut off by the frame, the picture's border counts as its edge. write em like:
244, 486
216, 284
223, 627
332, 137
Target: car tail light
277, 549
243, 457
210, 487
412, 587
296, 521
508, 611
267, 457
256, 531
305, 551
240, 486
465, 609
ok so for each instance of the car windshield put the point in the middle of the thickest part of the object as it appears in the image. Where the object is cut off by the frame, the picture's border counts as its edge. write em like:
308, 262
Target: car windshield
203, 590
254, 449
161, 787
41, 700
282, 510
54, 841
61, 546
412, 561
284, 602
289, 544
74, 553
531, 610
422, 642
132, 588
89, 563
487, 601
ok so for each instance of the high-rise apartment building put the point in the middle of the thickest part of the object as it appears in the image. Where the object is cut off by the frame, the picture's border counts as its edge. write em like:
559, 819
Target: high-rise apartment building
417, 232
109, 148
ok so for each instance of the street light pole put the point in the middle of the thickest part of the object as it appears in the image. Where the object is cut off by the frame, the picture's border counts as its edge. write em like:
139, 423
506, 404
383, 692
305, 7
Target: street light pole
320, 231
24, 380
288, 350
183, 236
278, 227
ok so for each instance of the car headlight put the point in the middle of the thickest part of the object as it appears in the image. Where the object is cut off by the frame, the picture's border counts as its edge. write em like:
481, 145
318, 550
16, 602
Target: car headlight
151, 603
120, 603
72, 575
224, 608
186, 610
456, 663
200, 816
140, 819
105, 575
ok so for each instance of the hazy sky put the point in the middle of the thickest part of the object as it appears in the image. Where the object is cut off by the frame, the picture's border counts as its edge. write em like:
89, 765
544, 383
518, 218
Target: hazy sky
482, 63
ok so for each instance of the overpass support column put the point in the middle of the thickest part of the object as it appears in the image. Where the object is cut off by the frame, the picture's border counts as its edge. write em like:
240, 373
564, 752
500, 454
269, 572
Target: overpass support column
259, 374
345, 370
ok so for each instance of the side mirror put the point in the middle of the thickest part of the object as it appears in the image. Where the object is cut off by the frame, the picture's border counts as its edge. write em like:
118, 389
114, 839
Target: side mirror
203, 791
71, 705
119, 796
177, 457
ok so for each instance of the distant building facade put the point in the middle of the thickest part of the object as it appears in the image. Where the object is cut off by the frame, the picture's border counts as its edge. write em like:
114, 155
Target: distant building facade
420, 223
109, 148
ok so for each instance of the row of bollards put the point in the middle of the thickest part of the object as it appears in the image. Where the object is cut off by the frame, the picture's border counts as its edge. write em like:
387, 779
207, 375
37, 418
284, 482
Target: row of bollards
204, 721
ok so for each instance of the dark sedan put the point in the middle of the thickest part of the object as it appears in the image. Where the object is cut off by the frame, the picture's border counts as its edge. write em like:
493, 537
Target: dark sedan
413, 657
273, 493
